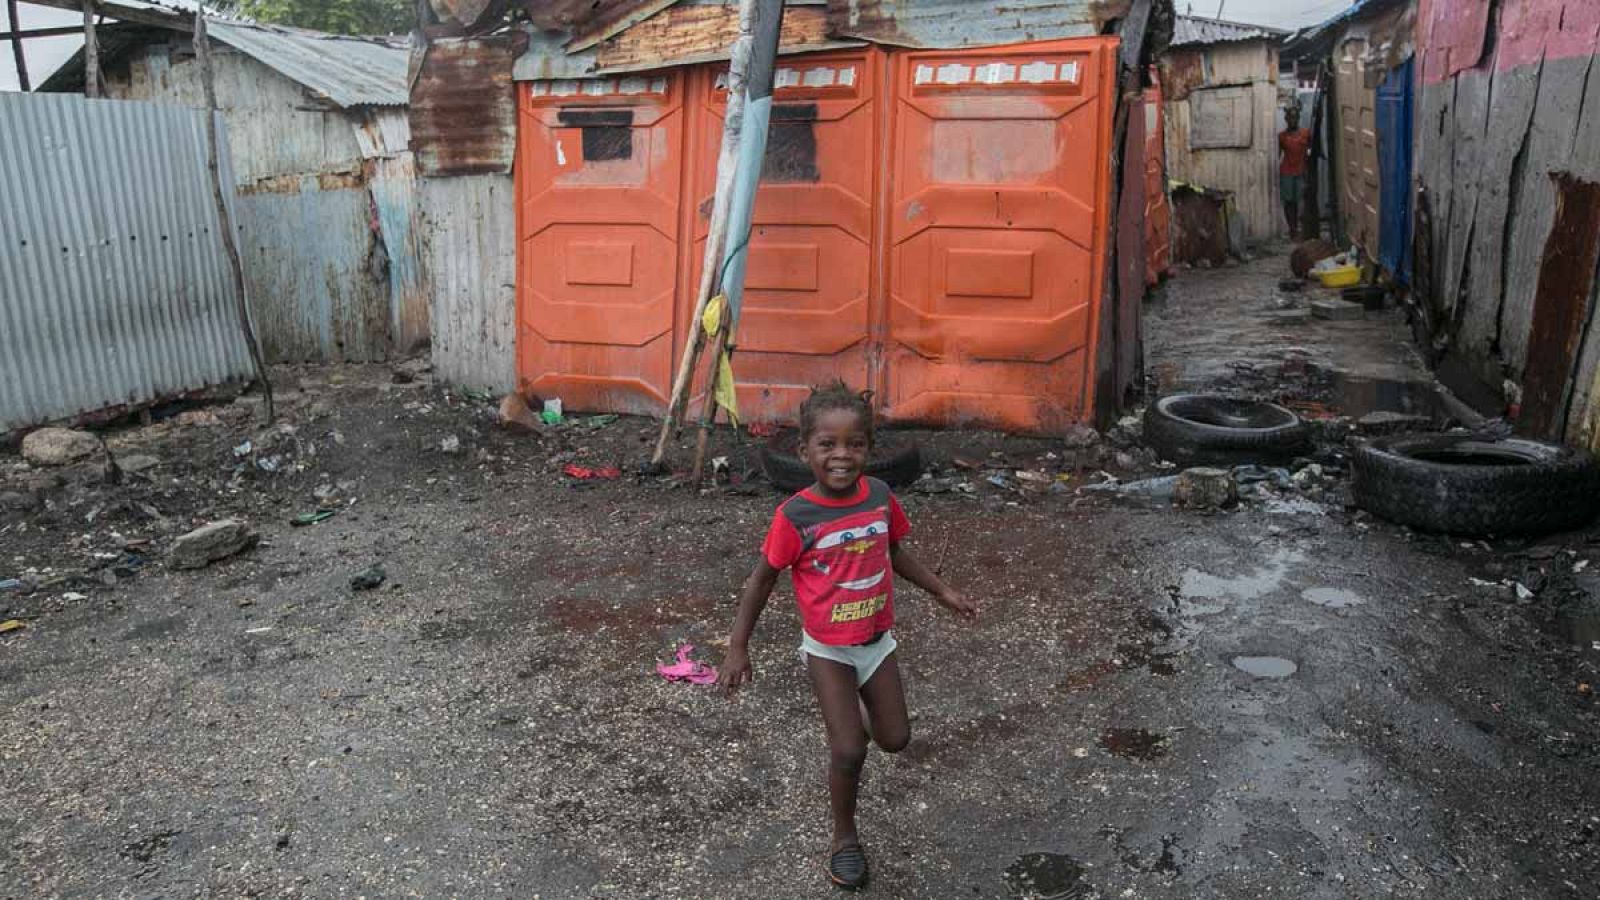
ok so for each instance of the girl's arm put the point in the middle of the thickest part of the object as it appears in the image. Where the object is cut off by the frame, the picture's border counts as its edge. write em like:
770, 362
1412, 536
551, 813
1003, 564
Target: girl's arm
911, 569
752, 600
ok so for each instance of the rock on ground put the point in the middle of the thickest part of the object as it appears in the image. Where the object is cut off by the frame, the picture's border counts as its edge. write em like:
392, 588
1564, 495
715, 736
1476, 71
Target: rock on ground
515, 415
58, 446
209, 543
1205, 489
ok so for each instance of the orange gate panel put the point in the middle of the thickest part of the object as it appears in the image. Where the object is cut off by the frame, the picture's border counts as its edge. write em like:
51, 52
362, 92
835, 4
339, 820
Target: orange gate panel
996, 236
809, 285
598, 190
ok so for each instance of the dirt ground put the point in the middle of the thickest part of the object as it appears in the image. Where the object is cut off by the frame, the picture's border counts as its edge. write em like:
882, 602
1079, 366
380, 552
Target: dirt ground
487, 721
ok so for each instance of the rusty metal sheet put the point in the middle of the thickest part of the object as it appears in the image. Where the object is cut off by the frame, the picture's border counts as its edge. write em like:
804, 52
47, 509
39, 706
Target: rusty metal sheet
1181, 72
1566, 281
695, 33
464, 107
951, 24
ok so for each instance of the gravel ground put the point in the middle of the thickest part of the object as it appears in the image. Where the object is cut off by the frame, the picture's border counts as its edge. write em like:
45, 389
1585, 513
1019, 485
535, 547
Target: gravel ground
487, 722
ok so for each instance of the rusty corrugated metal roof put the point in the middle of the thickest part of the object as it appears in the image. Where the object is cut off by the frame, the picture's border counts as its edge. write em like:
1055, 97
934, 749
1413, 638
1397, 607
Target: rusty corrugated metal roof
947, 24
1199, 30
464, 108
346, 71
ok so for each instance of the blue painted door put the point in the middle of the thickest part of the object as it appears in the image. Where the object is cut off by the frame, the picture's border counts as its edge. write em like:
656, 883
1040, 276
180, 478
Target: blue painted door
1394, 172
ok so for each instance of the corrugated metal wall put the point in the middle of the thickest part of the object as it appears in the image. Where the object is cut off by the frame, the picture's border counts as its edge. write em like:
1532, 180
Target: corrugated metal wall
114, 288
1250, 172
325, 208
469, 244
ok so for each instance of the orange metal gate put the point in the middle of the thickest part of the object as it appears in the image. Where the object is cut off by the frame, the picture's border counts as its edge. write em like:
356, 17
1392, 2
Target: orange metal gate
929, 224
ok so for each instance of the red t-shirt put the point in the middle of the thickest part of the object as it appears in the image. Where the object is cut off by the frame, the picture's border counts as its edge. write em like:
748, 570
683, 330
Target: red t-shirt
1294, 145
837, 552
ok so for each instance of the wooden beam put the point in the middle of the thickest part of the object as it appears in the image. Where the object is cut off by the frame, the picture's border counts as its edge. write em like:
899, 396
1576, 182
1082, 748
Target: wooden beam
16, 47
202, 53
91, 53
39, 32
174, 21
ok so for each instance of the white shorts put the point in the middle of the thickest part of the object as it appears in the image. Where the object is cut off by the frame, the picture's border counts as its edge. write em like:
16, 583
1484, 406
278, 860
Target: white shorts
864, 659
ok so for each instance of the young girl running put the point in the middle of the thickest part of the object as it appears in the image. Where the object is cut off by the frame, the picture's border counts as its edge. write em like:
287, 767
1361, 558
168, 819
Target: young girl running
840, 538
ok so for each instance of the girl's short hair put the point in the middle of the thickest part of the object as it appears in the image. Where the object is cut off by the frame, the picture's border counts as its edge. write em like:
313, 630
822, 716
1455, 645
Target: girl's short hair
835, 395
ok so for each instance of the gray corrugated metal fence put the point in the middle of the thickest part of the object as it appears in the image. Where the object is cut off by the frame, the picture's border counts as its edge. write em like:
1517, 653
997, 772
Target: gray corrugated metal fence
114, 286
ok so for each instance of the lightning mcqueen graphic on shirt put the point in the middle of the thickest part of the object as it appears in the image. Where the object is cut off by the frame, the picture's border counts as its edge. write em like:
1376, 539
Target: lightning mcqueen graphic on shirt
838, 553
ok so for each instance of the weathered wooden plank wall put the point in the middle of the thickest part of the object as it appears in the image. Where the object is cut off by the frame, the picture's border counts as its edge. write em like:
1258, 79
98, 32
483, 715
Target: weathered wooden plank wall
1510, 112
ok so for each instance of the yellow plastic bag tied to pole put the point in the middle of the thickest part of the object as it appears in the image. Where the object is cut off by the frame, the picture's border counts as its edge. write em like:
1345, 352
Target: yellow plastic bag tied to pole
711, 322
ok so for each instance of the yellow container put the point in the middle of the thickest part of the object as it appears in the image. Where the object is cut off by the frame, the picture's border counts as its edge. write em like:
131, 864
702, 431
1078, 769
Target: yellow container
1344, 276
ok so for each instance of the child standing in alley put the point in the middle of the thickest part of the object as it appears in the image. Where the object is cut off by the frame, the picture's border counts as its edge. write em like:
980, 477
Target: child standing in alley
841, 540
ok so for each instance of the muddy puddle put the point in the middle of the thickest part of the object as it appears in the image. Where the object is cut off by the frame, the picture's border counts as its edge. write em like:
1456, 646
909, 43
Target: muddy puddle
1202, 593
1047, 876
1265, 666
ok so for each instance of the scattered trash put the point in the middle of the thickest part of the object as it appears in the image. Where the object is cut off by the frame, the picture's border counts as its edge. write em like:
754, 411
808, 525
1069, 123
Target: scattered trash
369, 580
210, 543
11, 625
1035, 481
312, 518
552, 411
1579, 566
1000, 481
262, 630
1584, 688
584, 473
74, 597
1160, 488
595, 423
516, 415
687, 669
478, 395
450, 444
763, 429
58, 446
1278, 478
269, 464
1522, 591
719, 468
244, 449
15, 586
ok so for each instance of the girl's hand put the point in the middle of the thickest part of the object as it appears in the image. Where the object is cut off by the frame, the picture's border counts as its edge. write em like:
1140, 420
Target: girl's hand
958, 603
735, 670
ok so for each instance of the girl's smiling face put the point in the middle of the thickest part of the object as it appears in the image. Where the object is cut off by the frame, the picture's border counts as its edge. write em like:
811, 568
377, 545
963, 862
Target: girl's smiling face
836, 450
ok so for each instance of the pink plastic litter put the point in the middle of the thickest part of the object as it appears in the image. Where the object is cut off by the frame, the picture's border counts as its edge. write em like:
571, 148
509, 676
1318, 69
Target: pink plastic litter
686, 669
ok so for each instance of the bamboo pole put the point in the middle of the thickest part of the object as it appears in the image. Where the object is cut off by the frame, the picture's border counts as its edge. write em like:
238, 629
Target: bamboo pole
711, 267
202, 53
16, 46
91, 53
767, 30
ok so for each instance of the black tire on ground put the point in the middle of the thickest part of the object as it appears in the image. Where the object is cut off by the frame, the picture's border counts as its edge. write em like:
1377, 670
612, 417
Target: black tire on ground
894, 461
1205, 429
1470, 485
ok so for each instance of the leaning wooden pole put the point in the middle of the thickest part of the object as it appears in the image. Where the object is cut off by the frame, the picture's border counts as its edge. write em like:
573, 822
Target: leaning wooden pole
16, 46
711, 267
202, 54
91, 53
741, 210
